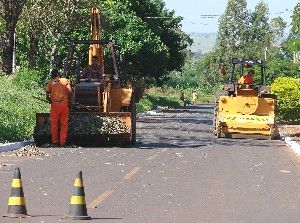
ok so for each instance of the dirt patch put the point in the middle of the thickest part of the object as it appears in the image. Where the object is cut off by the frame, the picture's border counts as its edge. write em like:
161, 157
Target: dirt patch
290, 130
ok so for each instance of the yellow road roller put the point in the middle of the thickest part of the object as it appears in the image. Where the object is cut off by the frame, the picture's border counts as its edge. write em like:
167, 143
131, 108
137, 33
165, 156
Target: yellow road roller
246, 108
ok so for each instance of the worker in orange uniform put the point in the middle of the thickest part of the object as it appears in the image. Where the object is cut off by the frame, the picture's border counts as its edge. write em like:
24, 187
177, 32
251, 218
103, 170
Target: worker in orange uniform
248, 78
59, 92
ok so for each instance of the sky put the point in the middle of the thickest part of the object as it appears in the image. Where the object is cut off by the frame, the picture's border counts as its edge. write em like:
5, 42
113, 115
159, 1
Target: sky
195, 11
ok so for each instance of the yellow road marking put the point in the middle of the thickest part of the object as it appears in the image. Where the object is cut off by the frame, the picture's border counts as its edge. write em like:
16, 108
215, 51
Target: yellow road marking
128, 176
152, 157
157, 154
100, 199
134, 171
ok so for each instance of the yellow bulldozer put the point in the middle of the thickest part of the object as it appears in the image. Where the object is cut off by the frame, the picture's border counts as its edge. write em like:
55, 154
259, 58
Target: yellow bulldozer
103, 107
246, 110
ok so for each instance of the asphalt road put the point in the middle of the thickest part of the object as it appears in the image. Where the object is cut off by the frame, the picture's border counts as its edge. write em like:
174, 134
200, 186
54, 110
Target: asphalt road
177, 172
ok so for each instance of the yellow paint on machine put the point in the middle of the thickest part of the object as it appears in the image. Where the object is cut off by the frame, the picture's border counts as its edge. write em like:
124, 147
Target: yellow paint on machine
78, 182
16, 183
240, 119
16, 201
77, 200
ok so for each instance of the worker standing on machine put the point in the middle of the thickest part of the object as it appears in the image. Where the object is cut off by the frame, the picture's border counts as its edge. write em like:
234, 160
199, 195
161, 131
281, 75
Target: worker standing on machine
94, 70
58, 93
248, 78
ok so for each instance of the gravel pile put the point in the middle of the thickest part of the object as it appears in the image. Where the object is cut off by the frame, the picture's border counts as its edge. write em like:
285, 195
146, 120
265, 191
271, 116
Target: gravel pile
89, 124
30, 151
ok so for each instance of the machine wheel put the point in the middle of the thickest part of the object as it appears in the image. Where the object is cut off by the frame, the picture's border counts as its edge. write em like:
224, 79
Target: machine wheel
216, 131
273, 96
132, 109
217, 128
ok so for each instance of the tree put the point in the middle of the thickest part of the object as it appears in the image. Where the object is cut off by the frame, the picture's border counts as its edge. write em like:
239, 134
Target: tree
259, 33
11, 11
167, 26
243, 33
293, 43
149, 36
149, 47
232, 35
278, 26
295, 30
45, 33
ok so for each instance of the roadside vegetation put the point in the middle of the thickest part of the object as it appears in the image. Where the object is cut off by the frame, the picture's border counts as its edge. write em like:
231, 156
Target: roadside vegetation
18, 105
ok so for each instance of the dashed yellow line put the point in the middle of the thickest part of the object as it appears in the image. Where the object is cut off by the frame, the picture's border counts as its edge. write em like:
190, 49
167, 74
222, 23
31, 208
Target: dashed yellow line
157, 154
134, 171
100, 199
153, 157
106, 194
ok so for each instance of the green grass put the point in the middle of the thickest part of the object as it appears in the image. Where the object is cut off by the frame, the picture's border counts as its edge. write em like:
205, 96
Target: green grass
169, 97
18, 107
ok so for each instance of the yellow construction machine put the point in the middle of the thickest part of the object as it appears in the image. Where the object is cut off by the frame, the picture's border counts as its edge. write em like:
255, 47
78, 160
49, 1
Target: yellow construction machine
246, 110
103, 108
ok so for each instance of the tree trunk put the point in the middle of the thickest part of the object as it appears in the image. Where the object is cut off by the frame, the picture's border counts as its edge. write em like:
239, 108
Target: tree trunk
33, 51
8, 48
11, 12
138, 92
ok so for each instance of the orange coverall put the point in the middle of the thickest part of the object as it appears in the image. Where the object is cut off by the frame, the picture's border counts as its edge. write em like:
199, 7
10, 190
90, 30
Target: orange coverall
60, 92
247, 79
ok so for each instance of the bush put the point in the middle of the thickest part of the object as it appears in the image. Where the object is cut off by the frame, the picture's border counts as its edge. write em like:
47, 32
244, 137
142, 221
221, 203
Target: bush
288, 99
28, 79
18, 108
155, 98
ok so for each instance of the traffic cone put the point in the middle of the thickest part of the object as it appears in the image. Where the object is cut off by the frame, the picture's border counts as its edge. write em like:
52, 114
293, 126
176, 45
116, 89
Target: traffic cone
16, 201
78, 209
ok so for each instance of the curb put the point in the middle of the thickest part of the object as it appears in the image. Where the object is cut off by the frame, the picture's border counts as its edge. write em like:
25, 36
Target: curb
149, 113
293, 145
14, 146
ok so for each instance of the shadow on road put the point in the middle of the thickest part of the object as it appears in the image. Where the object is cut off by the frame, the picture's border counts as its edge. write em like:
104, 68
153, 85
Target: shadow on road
189, 127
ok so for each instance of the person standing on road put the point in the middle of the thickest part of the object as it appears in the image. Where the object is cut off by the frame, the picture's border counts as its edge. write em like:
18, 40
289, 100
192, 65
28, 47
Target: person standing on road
182, 98
58, 93
194, 97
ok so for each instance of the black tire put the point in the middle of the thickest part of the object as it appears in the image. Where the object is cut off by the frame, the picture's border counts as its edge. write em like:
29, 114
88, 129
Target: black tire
273, 96
132, 109
217, 132
216, 108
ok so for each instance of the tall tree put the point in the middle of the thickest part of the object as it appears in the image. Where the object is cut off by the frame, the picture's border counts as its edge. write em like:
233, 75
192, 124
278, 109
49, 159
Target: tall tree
11, 11
149, 35
294, 36
295, 30
259, 33
46, 26
278, 26
232, 35
167, 26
